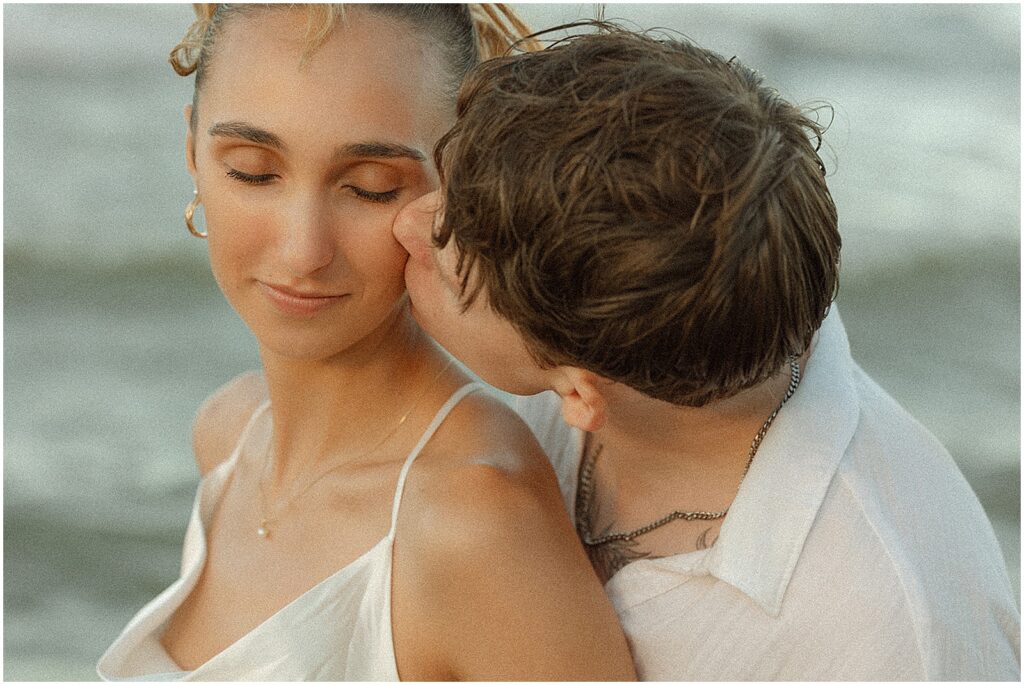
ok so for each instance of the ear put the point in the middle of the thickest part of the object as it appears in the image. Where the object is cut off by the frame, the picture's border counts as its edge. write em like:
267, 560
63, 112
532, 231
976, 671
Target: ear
190, 143
583, 400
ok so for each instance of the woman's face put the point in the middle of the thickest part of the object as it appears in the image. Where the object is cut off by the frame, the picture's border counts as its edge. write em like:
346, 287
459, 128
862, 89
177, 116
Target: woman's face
301, 171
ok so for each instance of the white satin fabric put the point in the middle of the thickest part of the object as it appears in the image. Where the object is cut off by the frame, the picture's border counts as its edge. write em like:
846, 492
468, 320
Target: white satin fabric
340, 629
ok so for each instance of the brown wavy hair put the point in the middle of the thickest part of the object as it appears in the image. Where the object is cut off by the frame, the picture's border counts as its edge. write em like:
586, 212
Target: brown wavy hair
644, 209
465, 34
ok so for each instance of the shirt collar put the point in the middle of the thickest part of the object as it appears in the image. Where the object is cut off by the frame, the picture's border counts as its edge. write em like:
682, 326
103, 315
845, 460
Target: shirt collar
768, 522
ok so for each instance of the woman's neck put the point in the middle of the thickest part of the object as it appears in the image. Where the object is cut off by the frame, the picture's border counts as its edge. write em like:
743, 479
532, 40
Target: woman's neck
339, 408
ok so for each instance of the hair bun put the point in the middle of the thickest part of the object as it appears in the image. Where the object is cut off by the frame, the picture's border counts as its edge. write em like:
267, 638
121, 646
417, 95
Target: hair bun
184, 56
498, 28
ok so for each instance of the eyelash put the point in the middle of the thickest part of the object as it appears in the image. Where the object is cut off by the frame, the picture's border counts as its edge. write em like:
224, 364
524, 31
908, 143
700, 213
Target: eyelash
368, 195
381, 198
251, 179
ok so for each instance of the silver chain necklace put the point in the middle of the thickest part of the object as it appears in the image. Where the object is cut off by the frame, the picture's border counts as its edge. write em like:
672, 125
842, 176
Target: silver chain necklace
586, 481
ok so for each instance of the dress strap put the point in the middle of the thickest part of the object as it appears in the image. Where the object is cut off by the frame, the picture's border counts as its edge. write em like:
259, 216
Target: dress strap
439, 418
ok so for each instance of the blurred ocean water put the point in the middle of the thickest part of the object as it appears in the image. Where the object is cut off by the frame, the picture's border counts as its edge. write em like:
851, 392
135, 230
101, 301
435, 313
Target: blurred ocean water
114, 330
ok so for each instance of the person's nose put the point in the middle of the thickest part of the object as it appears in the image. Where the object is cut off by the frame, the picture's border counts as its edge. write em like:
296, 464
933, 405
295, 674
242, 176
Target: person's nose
309, 240
414, 224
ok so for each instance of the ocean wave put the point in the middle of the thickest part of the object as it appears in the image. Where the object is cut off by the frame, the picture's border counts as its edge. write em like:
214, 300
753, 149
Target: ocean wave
32, 262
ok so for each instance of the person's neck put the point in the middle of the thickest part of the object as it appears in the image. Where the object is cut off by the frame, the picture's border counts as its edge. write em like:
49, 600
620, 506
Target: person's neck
668, 456
338, 408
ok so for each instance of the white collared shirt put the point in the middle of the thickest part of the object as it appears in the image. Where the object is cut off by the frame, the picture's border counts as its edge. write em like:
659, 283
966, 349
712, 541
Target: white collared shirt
854, 550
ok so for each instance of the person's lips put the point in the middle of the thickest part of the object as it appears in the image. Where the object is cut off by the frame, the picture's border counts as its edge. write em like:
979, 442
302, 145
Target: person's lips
299, 302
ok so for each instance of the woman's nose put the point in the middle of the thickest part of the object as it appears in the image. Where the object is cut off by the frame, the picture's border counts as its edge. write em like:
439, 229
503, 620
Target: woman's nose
414, 224
309, 237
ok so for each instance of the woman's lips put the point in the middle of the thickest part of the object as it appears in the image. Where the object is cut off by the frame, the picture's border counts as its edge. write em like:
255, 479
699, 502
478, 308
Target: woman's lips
298, 303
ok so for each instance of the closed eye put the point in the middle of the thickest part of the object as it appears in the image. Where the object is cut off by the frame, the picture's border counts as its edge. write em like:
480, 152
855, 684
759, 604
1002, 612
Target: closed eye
251, 179
371, 196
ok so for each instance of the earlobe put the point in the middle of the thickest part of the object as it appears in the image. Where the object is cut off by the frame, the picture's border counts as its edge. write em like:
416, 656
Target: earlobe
583, 402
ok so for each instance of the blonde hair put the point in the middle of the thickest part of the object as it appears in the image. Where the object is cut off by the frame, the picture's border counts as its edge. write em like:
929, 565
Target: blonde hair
465, 34
499, 29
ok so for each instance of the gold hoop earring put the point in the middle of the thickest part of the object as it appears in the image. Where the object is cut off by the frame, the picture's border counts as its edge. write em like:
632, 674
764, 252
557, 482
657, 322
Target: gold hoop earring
190, 211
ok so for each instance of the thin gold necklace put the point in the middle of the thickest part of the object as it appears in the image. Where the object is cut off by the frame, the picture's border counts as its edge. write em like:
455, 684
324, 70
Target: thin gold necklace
586, 491
263, 530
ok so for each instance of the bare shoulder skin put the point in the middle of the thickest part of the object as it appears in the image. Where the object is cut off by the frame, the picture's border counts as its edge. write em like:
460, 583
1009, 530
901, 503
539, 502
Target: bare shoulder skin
490, 582
220, 419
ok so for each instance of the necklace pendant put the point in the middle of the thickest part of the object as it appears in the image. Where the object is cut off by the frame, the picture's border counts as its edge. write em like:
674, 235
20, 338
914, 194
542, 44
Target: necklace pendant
263, 531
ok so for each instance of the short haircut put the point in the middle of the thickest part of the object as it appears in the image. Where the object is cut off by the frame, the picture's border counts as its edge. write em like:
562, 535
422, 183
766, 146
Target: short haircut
644, 209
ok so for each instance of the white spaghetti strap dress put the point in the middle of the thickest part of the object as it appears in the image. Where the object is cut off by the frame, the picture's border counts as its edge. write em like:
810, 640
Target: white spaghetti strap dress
340, 629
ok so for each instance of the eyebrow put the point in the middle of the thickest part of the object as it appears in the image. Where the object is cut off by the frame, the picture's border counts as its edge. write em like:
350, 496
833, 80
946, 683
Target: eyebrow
243, 131
369, 149
380, 150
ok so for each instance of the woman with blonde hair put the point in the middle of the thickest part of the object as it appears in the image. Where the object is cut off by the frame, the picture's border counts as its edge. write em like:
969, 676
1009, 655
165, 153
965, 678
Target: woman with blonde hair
364, 513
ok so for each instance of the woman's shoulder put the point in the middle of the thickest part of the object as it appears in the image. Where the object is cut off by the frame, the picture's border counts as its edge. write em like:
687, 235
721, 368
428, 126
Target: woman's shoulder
485, 472
486, 550
484, 438
222, 417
